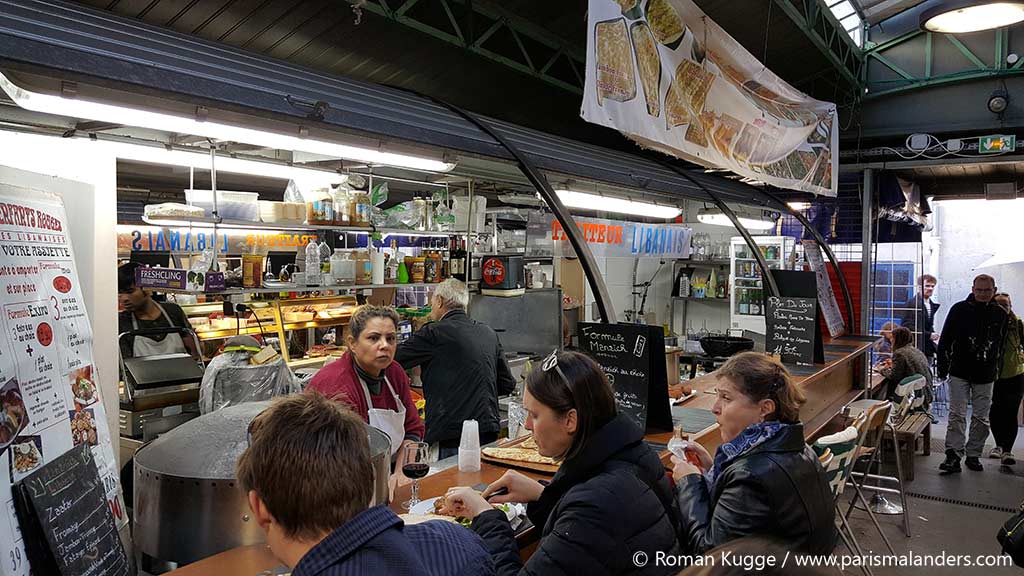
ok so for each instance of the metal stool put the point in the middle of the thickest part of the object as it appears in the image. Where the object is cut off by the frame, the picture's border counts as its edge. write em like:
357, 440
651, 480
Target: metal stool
877, 425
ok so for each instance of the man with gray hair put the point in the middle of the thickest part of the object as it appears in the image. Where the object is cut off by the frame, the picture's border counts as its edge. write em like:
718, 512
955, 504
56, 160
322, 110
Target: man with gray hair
464, 370
970, 351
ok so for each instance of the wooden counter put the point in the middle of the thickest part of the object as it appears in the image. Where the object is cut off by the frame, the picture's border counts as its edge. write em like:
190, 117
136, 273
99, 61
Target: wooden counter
828, 388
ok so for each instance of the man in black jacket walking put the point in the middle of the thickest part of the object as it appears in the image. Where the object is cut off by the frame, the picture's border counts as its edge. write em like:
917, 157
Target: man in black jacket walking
464, 370
970, 350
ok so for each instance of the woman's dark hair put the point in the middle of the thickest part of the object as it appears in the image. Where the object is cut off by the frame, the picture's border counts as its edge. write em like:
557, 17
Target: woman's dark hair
362, 316
761, 377
901, 336
587, 391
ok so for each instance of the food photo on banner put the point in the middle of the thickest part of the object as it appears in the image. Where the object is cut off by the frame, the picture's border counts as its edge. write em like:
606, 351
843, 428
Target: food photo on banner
662, 73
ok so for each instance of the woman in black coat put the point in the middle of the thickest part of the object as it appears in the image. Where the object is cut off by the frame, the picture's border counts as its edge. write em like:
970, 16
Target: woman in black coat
609, 501
764, 479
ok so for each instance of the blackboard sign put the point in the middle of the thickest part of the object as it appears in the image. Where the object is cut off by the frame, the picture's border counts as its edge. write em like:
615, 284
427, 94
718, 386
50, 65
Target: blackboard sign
791, 323
65, 504
633, 358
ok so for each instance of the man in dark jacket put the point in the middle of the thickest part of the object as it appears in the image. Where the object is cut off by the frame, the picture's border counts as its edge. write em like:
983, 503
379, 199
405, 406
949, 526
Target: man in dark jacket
464, 370
317, 517
970, 350
919, 316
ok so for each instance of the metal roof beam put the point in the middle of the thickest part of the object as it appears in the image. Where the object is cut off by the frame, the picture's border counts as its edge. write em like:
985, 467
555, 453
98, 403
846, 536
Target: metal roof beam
825, 33
516, 57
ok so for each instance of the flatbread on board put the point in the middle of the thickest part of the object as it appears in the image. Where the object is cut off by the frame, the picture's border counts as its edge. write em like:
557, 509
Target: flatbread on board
519, 454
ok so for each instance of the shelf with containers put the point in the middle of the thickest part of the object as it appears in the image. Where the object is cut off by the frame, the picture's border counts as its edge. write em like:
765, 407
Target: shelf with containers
746, 288
684, 273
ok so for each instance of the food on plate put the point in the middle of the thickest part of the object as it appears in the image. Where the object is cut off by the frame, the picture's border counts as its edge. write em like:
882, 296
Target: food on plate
84, 389
678, 391
649, 62
630, 8
665, 22
695, 82
411, 519
530, 443
14, 416
320, 350
83, 427
441, 509
26, 456
519, 454
616, 76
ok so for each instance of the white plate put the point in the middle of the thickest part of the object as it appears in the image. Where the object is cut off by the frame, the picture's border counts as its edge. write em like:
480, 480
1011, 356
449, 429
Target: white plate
424, 506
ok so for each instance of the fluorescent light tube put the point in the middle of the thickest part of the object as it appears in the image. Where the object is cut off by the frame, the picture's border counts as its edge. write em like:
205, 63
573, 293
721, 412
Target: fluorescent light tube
717, 218
96, 111
587, 201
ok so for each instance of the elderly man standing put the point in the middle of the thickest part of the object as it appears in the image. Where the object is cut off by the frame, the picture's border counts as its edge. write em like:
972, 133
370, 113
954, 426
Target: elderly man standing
970, 351
464, 370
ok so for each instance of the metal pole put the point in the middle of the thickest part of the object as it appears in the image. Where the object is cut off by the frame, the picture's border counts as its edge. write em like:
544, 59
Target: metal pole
867, 196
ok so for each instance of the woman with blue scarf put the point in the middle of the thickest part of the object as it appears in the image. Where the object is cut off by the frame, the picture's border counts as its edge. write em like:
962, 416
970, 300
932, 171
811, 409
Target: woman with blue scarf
764, 479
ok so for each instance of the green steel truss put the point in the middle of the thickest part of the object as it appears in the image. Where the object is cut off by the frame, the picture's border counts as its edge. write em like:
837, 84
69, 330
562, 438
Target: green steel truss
489, 31
818, 24
975, 66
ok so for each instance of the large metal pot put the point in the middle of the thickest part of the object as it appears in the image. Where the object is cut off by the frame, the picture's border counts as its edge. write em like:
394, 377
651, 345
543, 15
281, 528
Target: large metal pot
188, 504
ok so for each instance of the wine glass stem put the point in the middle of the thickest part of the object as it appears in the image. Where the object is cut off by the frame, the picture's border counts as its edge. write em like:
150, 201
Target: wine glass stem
415, 492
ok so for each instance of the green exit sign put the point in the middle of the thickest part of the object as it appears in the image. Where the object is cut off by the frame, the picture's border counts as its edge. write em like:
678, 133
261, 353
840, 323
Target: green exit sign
997, 144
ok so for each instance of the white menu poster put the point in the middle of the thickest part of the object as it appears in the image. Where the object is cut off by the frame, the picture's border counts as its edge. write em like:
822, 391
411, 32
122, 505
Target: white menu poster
48, 382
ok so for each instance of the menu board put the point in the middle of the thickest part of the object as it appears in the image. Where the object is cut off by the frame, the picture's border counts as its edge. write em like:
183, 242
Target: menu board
827, 296
48, 378
64, 503
633, 358
791, 323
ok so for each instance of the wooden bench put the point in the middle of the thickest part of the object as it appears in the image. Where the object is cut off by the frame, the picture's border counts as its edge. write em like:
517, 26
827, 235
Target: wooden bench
916, 426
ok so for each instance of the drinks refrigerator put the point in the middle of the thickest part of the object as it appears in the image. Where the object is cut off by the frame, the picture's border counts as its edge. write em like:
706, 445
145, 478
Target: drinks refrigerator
746, 290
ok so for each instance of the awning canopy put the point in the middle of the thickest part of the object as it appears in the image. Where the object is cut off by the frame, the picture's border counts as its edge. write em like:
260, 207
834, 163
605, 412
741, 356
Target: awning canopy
85, 45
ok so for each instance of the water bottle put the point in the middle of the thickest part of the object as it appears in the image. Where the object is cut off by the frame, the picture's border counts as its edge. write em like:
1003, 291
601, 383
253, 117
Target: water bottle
312, 263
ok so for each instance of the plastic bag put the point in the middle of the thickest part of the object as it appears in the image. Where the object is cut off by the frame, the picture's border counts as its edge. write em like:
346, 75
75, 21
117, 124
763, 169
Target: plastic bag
230, 379
292, 193
379, 194
195, 279
404, 215
444, 218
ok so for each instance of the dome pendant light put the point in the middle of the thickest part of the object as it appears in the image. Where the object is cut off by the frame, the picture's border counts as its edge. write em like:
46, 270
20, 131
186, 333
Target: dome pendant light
962, 16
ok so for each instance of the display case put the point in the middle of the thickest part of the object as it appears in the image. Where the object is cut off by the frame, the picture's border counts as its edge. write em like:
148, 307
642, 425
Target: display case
746, 289
273, 318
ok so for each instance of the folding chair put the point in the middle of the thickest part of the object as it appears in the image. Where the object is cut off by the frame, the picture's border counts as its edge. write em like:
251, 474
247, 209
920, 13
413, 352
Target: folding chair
876, 422
838, 451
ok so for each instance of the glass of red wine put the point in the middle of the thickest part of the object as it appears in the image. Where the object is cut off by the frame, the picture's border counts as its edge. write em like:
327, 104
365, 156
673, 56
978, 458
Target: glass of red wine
415, 466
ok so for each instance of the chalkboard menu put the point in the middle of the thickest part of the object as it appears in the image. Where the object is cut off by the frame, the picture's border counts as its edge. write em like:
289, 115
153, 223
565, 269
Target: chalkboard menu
633, 358
791, 323
64, 503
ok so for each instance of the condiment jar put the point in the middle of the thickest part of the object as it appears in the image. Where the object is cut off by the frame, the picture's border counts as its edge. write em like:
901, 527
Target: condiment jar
360, 208
416, 266
343, 268
362, 267
320, 207
342, 210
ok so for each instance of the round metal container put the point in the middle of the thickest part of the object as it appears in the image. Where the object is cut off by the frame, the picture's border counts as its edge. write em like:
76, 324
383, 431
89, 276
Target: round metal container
188, 505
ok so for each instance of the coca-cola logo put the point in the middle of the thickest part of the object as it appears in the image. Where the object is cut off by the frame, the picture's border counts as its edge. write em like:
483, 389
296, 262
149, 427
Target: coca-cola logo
493, 271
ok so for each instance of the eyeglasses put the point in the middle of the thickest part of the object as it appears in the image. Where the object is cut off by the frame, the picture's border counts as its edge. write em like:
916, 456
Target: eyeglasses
552, 362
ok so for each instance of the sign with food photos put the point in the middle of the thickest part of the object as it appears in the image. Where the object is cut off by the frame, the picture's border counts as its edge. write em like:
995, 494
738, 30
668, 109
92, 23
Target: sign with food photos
664, 74
48, 382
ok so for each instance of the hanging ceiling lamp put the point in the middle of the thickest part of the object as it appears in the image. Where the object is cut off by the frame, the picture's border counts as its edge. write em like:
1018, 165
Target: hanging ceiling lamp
961, 16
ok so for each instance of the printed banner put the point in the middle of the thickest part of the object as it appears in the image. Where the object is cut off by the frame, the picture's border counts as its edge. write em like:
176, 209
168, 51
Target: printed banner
48, 381
662, 73
827, 296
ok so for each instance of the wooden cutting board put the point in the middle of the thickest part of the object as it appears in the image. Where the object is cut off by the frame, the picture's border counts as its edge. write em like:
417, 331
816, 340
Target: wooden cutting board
537, 467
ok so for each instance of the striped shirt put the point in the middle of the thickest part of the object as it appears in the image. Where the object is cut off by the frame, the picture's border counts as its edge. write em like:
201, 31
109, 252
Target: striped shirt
377, 541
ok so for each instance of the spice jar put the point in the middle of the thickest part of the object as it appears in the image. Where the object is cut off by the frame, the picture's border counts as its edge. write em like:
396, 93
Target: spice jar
320, 207
342, 212
362, 265
359, 211
417, 268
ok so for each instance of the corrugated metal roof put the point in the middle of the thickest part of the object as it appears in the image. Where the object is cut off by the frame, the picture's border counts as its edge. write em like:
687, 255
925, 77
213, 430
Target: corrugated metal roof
67, 38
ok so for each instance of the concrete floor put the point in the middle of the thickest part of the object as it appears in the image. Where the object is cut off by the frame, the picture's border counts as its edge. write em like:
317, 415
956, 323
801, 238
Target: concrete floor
985, 500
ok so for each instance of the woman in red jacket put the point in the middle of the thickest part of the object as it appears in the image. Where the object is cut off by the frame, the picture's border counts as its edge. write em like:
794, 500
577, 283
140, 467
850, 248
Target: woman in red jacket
369, 380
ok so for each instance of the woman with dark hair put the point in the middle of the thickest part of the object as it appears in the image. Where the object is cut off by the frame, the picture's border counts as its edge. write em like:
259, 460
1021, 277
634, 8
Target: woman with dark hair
610, 500
370, 381
907, 360
764, 479
1009, 388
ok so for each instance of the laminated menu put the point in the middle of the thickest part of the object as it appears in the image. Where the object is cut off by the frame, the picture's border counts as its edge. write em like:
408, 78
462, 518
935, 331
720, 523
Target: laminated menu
48, 380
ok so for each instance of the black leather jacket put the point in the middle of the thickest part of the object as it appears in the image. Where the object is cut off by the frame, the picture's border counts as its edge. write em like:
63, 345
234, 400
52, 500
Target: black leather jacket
608, 503
777, 489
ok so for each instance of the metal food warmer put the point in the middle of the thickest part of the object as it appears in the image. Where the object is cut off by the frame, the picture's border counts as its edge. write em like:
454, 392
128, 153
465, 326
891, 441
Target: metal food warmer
188, 504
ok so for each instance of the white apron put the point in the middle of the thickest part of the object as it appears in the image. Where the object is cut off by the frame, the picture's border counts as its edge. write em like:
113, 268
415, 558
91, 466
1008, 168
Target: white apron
387, 421
143, 346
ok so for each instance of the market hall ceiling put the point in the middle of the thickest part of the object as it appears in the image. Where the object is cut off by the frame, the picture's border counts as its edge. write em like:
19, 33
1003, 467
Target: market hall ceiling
408, 52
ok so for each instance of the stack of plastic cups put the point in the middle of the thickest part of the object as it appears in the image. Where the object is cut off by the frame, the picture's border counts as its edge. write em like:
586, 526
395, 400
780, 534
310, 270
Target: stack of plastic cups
469, 447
